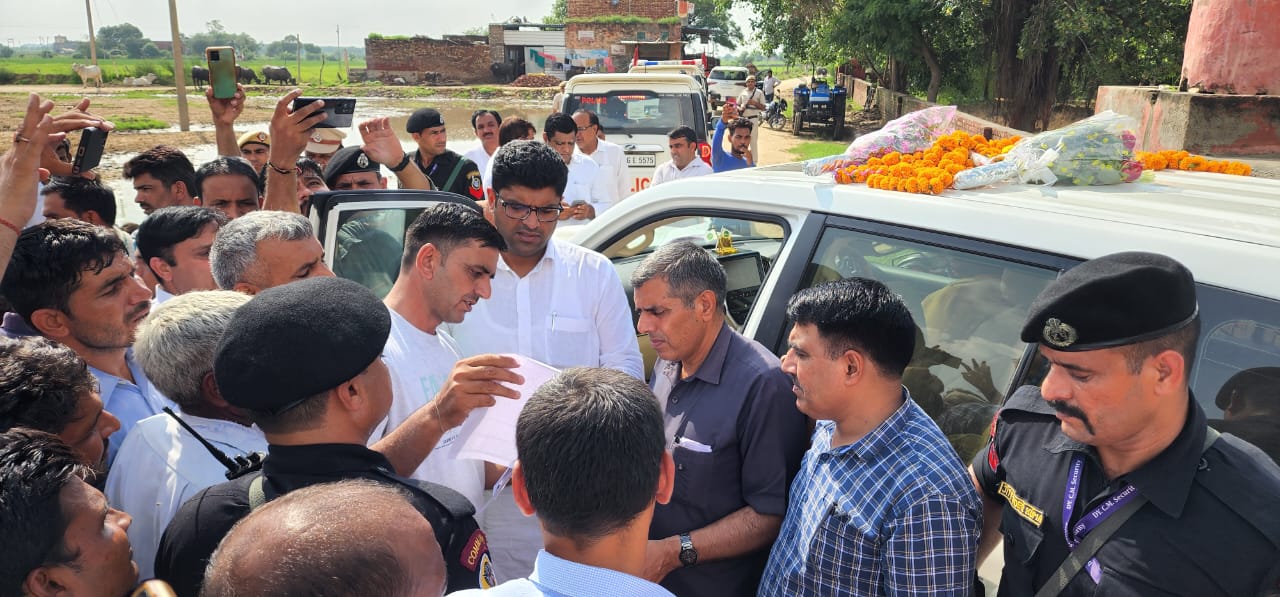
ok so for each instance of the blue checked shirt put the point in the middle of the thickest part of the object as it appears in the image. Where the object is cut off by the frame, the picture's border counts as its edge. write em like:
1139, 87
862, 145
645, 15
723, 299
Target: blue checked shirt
893, 513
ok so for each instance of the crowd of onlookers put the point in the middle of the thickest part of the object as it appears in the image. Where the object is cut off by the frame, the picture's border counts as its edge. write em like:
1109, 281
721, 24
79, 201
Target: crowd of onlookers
201, 401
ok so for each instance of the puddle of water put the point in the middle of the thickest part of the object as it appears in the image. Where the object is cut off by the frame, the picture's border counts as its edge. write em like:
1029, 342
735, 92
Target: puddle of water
457, 116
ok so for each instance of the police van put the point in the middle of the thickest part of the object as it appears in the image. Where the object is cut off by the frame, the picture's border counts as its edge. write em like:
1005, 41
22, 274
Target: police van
637, 111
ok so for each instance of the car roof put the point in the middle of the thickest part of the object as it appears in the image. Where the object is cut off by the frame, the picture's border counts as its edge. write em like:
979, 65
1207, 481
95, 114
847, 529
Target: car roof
742, 68
1225, 228
616, 79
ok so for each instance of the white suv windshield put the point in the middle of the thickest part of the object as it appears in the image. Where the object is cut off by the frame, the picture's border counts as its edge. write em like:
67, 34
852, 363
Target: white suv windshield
639, 112
729, 75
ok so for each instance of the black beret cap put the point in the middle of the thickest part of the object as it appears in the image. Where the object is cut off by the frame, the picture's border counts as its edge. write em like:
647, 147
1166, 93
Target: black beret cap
1115, 300
346, 161
423, 118
294, 341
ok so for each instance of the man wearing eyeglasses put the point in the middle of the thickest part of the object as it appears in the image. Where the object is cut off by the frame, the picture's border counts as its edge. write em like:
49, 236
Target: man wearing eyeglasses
551, 300
609, 156
588, 190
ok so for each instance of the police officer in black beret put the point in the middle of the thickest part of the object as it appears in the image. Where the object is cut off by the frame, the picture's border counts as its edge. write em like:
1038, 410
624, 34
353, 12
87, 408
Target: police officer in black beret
448, 170
1106, 480
303, 361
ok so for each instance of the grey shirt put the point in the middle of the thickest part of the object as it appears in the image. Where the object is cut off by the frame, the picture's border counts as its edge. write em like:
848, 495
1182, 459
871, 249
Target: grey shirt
737, 441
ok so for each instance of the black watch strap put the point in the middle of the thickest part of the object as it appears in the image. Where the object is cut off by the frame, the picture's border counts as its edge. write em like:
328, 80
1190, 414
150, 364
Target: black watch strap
403, 163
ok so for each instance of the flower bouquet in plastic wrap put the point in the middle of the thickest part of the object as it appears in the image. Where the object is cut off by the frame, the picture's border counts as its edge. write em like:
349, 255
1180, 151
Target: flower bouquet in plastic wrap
906, 134
1095, 151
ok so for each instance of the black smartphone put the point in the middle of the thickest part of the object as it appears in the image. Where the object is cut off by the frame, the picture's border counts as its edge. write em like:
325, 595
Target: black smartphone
89, 153
338, 110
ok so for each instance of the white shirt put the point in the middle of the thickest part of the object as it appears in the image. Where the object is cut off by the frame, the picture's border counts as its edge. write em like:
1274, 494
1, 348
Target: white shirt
668, 172
613, 165
569, 311
420, 363
486, 177
770, 83
161, 465
162, 295
586, 184
479, 156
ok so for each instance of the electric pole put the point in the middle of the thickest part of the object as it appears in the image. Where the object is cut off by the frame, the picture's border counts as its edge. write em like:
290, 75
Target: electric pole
93, 44
179, 76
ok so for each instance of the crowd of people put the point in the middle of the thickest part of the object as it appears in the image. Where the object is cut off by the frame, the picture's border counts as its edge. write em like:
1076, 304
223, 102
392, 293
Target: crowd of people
203, 402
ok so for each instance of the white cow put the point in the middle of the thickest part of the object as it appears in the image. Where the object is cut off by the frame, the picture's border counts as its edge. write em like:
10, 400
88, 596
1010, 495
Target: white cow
141, 81
87, 73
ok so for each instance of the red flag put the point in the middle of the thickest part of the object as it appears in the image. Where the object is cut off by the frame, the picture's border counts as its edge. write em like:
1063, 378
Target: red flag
635, 56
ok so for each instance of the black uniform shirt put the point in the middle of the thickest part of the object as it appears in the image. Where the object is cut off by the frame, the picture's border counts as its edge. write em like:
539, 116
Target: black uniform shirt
202, 522
1211, 526
466, 183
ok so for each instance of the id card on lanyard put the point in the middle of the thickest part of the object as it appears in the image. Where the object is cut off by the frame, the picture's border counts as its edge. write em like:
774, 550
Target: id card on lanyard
1091, 519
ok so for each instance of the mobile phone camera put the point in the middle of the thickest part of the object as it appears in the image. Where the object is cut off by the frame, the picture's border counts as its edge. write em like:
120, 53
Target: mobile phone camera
215, 55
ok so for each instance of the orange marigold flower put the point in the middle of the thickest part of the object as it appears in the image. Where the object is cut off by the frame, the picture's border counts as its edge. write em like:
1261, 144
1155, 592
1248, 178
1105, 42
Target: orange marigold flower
1193, 163
936, 186
892, 158
912, 186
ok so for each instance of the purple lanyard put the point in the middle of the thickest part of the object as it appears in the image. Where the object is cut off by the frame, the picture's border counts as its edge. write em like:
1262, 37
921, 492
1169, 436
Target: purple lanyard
1091, 519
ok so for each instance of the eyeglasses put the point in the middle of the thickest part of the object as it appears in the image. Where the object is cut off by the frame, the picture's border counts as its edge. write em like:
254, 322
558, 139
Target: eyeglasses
520, 211
583, 129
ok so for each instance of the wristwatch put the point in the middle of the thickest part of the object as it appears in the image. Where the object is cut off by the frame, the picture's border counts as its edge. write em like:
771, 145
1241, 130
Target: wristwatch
688, 555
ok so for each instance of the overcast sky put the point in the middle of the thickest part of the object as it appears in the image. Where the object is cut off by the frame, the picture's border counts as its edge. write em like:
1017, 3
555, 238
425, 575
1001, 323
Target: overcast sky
27, 21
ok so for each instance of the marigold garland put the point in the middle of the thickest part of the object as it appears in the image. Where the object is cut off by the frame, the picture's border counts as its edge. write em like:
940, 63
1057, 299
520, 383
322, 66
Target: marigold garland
930, 171
1170, 159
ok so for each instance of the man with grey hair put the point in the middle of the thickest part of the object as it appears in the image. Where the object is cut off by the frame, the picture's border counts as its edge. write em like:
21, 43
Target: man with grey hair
264, 249
738, 437
352, 537
162, 464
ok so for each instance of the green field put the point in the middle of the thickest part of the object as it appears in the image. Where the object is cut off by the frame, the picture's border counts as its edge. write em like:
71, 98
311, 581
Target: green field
34, 70
817, 149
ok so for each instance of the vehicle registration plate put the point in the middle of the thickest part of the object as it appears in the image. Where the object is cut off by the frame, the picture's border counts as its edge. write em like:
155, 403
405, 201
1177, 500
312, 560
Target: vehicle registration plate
642, 159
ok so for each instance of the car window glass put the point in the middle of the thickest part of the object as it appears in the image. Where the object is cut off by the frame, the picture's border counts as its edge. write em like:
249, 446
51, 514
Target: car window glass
968, 309
746, 246
639, 112
369, 245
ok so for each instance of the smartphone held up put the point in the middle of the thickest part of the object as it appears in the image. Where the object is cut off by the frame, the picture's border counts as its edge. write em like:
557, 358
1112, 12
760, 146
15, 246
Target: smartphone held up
222, 71
338, 111
93, 141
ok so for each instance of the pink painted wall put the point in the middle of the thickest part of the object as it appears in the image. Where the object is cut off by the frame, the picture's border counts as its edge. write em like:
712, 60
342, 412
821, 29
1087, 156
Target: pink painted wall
1233, 46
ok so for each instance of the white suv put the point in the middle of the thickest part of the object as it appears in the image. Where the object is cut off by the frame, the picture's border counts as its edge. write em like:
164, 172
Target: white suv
726, 82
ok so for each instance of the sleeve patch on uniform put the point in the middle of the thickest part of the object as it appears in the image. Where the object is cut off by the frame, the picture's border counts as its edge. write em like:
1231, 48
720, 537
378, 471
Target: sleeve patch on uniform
477, 551
488, 579
993, 459
477, 186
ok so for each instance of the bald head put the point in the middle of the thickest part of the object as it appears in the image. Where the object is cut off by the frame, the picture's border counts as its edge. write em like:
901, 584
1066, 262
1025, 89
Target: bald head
347, 538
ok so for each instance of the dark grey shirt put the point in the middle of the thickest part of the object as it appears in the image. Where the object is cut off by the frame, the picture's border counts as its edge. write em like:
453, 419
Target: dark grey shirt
737, 441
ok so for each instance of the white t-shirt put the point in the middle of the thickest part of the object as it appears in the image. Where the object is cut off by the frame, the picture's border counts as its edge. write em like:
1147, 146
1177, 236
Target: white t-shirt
747, 96
668, 172
160, 465
479, 156
420, 363
613, 166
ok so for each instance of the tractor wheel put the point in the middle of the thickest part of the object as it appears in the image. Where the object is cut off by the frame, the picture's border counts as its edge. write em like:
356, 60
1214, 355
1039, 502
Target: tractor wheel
797, 123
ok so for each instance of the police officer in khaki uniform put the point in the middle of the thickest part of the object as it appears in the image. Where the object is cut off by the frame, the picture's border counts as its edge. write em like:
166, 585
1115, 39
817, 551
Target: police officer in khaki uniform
1106, 480
303, 361
448, 170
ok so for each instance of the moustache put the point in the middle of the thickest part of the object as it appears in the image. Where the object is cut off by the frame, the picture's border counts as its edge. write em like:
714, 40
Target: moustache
1072, 411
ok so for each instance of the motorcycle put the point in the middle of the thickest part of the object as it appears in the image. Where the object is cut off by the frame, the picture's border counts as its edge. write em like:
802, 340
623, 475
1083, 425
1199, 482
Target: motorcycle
774, 113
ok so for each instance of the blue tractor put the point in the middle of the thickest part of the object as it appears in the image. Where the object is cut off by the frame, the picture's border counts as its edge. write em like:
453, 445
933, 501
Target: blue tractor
819, 105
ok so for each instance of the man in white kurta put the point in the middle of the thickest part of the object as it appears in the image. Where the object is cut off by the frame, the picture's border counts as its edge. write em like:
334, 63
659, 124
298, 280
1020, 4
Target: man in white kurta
553, 301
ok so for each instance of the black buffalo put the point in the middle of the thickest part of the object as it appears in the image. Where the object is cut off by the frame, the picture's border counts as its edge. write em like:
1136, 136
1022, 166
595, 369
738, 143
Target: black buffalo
246, 75
278, 73
199, 76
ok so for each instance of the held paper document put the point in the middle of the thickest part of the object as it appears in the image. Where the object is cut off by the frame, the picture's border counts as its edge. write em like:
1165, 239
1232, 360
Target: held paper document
490, 433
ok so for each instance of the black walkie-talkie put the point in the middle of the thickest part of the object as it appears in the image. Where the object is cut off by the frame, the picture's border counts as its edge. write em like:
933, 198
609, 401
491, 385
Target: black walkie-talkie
237, 467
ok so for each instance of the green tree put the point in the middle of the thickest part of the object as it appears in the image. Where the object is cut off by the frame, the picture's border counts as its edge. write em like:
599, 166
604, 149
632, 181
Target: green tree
217, 35
714, 14
559, 12
124, 38
6, 51
151, 51
477, 30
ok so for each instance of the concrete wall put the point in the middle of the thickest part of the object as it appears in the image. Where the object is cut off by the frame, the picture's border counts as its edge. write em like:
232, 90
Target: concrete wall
608, 37
1232, 46
1200, 123
410, 58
